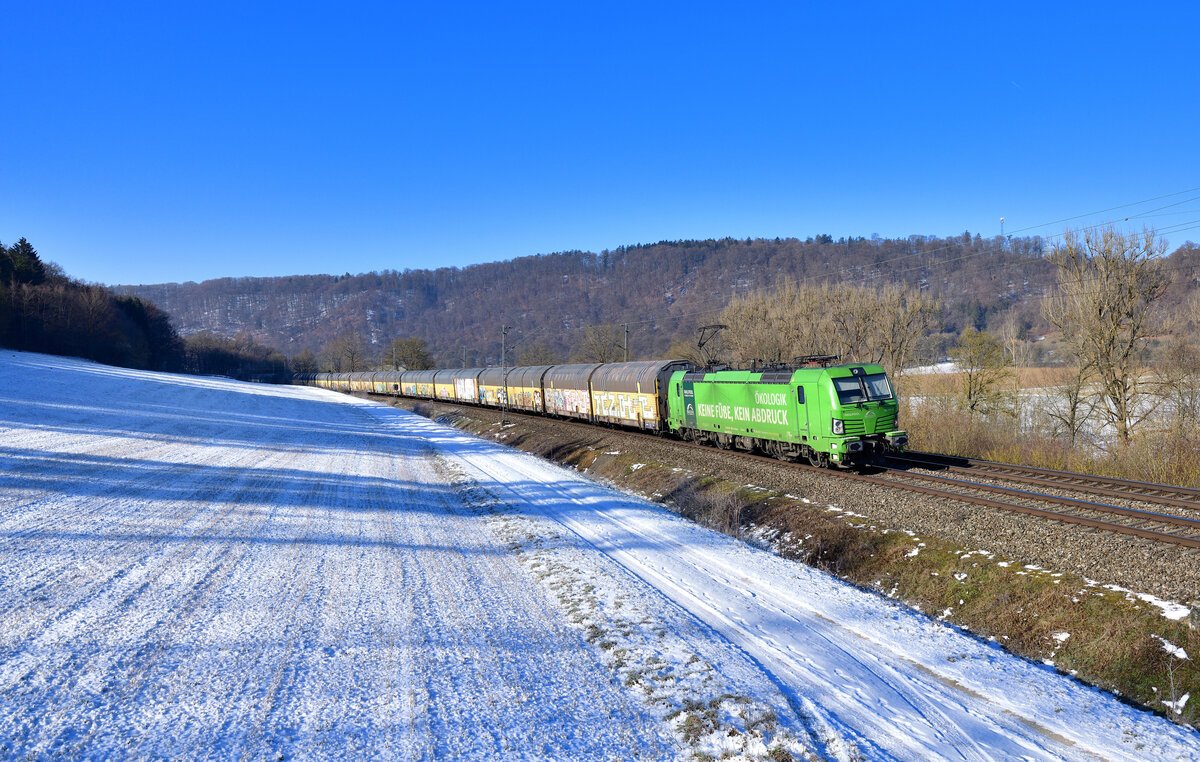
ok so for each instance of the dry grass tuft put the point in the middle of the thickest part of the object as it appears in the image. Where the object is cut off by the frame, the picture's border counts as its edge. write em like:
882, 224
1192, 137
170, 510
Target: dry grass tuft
937, 424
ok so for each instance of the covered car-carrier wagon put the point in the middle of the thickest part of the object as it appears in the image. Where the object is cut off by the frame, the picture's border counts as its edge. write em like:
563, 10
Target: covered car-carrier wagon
567, 390
633, 393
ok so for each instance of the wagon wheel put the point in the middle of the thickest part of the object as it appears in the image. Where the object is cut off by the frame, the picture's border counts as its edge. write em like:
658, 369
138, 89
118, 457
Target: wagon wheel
815, 459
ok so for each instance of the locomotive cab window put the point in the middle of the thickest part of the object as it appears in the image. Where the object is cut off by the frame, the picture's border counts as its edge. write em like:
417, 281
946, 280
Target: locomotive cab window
800, 394
857, 389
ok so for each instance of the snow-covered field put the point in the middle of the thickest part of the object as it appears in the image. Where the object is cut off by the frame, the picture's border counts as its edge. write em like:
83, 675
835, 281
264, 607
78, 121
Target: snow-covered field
200, 568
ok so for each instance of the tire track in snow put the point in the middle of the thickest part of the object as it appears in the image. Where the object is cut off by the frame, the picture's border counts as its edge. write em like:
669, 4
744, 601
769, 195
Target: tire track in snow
140, 611
1008, 730
163, 624
118, 514
482, 592
946, 731
833, 738
129, 507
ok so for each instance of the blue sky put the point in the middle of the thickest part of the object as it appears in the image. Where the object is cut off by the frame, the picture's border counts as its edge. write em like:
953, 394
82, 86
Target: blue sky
153, 142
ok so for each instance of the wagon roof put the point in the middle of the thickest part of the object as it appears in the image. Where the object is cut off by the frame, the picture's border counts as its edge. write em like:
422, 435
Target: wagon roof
574, 376
633, 376
494, 376
528, 375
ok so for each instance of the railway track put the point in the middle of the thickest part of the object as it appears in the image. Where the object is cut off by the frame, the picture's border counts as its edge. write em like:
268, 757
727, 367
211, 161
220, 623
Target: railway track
1147, 492
1179, 530
1160, 527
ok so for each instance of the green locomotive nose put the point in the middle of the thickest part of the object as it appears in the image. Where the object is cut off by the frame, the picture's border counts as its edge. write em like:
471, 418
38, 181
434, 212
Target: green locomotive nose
840, 414
870, 418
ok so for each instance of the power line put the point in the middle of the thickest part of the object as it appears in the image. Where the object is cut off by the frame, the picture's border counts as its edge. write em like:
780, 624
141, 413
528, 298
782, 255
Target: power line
1113, 209
1176, 228
947, 247
943, 263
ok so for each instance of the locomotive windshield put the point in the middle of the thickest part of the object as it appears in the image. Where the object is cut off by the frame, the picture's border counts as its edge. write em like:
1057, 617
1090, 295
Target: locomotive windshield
854, 389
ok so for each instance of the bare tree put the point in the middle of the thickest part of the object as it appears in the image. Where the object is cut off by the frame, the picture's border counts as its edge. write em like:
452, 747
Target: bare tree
1191, 311
601, 343
712, 353
903, 316
857, 323
540, 353
346, 354
1068, 405
304, 362
1107, 284
778, 326
407, 353
1179, 380
985, 370
1010, 336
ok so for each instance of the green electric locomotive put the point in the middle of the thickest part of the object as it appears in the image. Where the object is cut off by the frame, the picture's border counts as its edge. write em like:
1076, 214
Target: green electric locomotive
833, 415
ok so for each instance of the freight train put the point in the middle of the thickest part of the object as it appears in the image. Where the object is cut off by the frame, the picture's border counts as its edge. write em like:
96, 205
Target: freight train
830, 415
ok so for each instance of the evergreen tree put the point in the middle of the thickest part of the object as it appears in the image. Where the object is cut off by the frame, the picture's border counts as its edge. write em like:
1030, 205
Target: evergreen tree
26, 266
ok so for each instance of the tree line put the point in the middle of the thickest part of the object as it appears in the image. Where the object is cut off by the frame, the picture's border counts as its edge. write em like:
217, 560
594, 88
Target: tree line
44, 310
1126, 358
1118, 322
556, 300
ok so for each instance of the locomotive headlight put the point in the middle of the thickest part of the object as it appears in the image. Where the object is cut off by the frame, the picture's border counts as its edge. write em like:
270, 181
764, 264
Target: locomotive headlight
838, 426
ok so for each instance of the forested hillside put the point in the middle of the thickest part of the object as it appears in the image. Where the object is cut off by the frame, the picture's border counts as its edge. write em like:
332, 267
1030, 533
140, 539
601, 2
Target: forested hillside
44, 310
664, 290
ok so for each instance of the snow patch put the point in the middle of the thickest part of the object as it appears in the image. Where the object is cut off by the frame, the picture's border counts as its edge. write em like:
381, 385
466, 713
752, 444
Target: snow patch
1177, 706
1170, 609
1171, 648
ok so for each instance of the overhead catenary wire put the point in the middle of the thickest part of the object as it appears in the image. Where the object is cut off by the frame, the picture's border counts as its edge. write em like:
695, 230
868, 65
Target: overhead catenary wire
1179, 227
1094, 226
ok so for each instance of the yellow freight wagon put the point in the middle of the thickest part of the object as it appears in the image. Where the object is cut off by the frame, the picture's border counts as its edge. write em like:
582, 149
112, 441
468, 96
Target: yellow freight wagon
443, 385
492, 386
525, 388
633, 393
567, 391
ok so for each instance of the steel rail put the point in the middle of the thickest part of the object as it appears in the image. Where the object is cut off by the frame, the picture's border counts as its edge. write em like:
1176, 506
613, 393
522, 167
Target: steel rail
1164, 518
1062, 477
1018, 475
1069, 518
